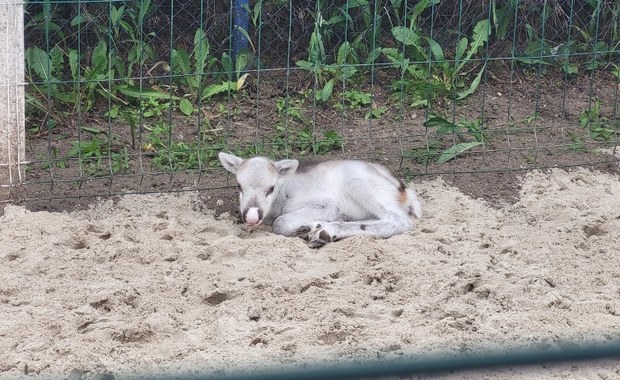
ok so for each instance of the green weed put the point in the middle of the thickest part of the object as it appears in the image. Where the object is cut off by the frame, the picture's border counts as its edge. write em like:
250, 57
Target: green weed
51, 159
100, 155
356, 99
190, 67
289, 108
346, 58
577, 144
468, 133
306, 142
132, 115
531, 118
286, 141
615, 70
327, 75
126, 23
539, 51
425, 155
584, 44
181, 155
599, 127
375, 112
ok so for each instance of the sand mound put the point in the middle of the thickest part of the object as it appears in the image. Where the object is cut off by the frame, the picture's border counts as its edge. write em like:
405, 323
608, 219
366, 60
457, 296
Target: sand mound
155, 283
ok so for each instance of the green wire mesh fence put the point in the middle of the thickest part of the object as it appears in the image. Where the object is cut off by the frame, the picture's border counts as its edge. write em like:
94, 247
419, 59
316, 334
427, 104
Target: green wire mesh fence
140, 96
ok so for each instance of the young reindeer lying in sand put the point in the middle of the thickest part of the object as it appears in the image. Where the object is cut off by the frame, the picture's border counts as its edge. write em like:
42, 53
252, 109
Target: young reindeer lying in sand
322, 201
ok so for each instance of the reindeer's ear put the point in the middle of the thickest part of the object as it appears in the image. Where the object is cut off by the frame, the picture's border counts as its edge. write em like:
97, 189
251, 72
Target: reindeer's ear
230, 162
285, 167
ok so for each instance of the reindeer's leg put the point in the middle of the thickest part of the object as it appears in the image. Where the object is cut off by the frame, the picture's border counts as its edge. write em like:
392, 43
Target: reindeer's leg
389, 216
391, 224
296, 223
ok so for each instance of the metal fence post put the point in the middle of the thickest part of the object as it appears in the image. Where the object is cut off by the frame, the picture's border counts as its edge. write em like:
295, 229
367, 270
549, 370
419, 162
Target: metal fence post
12, 101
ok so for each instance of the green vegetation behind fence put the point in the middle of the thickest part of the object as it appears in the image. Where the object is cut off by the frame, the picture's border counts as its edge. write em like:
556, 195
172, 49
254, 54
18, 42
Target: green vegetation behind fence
123, 91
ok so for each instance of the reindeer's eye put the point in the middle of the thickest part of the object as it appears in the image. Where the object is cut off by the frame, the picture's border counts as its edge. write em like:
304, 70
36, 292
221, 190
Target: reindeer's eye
240, 189
270, 190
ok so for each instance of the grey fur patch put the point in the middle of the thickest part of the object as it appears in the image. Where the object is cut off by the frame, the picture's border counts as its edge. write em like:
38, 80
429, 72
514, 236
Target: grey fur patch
306, 165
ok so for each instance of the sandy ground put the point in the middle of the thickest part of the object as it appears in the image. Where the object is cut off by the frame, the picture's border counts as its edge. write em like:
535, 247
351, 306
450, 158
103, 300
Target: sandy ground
155, 283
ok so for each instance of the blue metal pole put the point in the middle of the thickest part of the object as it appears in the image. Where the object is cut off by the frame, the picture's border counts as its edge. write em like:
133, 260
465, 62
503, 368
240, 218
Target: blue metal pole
241, 22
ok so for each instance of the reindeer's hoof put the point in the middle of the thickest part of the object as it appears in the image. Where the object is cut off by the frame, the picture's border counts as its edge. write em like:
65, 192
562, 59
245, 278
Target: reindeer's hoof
320, 239
325, 236
316, 243
303, 232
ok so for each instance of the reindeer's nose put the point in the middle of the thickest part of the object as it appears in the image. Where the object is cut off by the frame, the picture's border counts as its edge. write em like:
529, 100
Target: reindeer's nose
253, 216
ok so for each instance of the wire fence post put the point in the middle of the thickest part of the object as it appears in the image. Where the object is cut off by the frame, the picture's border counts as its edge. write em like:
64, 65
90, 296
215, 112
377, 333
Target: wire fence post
12, 101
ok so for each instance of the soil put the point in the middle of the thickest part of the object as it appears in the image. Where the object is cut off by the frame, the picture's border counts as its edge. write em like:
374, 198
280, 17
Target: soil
506, 106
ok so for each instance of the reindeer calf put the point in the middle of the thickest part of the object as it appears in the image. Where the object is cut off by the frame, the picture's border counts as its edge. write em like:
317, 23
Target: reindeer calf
322, 201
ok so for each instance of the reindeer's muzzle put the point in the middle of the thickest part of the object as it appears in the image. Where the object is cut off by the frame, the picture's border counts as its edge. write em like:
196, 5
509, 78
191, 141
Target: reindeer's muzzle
252, 216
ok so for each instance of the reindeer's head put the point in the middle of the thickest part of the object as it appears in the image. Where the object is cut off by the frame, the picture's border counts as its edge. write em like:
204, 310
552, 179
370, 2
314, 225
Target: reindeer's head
258, 183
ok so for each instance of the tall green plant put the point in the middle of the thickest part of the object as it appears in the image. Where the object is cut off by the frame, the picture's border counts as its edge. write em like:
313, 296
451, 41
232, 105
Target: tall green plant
192, 67
126, 24
328, 74
43, 70
129, 49
191, 70
427, 73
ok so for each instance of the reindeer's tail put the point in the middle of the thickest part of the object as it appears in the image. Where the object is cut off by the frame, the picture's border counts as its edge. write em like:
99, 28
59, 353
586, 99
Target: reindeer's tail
414, 208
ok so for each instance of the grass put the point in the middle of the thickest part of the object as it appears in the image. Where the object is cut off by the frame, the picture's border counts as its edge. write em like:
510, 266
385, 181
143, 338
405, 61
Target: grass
166, 153
99, 155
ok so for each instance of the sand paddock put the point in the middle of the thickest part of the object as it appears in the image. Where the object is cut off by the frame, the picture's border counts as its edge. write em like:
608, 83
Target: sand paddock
157, 283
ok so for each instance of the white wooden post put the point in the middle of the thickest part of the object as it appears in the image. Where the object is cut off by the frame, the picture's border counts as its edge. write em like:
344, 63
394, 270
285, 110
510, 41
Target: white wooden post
12, 101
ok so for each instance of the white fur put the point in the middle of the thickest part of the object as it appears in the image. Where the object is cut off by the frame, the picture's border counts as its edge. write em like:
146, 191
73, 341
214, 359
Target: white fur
324, 201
